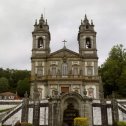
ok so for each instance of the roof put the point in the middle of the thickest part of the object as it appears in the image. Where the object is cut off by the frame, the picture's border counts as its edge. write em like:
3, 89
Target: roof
7, 94
64, 52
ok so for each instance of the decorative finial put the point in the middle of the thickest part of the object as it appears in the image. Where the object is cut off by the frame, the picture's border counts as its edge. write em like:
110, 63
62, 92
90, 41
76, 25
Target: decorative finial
36, 22
64, 43
81, 22
26, 95
84, 92
41, 21
46, 21
91, 22
86, 20
85, 17
41, 16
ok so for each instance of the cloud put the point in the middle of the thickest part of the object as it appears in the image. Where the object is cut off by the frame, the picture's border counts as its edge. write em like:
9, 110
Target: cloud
64, 16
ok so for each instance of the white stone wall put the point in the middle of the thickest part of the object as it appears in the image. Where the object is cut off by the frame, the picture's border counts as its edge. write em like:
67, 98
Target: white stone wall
97, 116
13, 119
122, 115
30, 115
43, 116
2, 107
109, 116
7, 104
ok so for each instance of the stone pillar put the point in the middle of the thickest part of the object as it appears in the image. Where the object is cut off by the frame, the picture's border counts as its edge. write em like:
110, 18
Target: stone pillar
36, 107
104, 113
24, 117
115, 113
58, 112
50, 112
54, 111
87, 107
36, 113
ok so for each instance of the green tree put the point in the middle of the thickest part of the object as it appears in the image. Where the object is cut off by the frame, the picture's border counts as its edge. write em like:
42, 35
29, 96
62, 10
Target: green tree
23, 86
16, 75
113, 71
4, 86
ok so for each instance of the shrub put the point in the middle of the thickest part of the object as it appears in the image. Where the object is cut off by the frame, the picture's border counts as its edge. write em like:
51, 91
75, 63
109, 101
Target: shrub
22, 124
121, 123
17, 123
25, 124
81, 121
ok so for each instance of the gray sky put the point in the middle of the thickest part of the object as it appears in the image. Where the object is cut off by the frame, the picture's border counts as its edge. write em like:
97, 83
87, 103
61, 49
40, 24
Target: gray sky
17, 18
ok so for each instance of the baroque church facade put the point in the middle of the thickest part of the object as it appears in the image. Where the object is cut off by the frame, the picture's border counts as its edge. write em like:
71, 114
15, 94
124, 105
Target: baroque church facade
64, 84
68, 78
65, 71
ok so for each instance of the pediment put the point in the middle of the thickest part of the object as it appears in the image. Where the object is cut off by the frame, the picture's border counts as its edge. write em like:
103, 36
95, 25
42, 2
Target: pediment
64, 52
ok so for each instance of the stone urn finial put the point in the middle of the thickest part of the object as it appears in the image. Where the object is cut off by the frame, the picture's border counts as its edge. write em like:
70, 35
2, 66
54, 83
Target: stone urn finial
85, 92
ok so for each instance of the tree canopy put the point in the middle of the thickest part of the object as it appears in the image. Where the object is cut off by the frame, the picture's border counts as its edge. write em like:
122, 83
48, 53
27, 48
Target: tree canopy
12, 78
4, 86
113, 72
23, 87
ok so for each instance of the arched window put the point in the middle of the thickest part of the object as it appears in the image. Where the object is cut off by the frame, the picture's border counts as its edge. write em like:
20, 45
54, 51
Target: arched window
64, 69
40, 71
75, 70
89, 70
88, 43
40, 43
53, 70
40, 25
87, 26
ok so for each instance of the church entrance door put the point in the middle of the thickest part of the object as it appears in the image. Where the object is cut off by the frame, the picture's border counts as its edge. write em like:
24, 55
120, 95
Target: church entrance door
69, 114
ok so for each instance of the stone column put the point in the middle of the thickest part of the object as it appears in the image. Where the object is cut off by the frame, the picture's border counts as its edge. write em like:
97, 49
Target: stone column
50, 118
87, 108
36, 113
24, 117
36, 107
104, 113
115, 113
54, 111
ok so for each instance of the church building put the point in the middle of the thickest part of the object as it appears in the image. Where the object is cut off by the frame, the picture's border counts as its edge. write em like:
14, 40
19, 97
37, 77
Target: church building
64, 71
64, 74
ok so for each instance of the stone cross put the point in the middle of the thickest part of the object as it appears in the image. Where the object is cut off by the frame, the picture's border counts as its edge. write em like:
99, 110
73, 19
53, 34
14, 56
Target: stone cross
64, 42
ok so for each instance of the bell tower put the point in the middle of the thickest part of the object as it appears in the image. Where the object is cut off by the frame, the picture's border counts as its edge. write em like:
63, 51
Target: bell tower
41, 38
40, 52
87, 39
88, 52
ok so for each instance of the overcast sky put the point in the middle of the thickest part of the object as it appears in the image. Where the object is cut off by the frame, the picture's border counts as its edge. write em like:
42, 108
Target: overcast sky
17, 18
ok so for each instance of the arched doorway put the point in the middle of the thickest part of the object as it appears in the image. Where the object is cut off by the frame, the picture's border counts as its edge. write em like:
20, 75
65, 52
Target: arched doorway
71, 107
69, 114
63, 109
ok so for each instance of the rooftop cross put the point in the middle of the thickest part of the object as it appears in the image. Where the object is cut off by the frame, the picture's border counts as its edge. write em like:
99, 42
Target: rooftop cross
64, 42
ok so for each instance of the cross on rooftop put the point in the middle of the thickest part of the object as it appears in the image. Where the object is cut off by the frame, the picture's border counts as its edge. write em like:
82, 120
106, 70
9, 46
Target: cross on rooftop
64, 42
